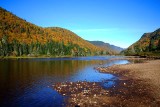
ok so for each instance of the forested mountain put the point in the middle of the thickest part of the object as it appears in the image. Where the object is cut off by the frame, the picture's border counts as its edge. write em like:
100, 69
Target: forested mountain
19, 37
111, 48
147, 45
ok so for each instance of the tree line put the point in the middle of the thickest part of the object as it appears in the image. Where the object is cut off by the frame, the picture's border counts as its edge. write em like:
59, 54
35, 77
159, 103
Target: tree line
50, 48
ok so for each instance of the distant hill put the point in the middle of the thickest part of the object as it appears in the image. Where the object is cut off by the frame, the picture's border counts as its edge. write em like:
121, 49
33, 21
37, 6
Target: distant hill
19, 37
147, 45
111, 48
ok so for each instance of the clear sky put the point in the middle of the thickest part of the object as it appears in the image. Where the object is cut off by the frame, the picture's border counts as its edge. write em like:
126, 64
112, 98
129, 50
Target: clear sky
118, 22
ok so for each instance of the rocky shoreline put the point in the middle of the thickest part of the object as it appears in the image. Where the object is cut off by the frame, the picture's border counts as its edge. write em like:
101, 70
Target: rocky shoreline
127, 91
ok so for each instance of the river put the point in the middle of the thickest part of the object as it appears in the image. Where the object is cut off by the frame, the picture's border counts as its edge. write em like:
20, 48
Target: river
28, 82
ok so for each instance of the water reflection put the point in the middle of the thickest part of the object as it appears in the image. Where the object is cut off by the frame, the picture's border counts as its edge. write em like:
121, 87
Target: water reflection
25, 82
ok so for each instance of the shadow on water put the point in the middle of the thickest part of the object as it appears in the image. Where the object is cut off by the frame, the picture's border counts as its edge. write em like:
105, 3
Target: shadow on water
27, 82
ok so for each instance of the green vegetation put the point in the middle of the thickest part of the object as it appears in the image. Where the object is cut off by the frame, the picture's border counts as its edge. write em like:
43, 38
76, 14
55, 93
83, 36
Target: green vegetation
21, 38
51, 48
147, 46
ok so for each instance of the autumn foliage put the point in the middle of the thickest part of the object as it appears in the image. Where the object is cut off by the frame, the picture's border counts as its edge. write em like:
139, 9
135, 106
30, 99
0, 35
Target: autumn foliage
16, 34
148, 44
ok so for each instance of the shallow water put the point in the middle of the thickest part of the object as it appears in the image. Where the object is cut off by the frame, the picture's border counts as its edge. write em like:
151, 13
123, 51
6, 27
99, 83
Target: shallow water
28, 82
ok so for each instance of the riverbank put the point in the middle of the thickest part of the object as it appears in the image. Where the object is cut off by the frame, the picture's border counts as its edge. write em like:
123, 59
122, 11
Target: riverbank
70, 56
147, 72
138, 85
30, 57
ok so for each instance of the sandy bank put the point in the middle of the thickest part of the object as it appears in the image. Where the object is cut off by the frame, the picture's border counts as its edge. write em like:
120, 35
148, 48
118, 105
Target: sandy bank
148, 71
138, 86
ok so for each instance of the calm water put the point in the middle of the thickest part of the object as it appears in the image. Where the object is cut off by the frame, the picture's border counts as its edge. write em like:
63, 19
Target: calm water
28, 82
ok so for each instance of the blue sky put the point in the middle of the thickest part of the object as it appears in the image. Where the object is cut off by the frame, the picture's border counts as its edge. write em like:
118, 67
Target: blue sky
119, 22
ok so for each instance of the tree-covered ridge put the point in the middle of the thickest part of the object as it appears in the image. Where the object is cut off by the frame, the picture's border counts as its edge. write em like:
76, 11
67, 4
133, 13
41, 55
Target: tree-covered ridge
19, 37
111, 48
149, 43
61, 34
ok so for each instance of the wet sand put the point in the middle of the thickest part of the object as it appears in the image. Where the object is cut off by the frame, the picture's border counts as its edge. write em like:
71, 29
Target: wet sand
147, 72
138, 85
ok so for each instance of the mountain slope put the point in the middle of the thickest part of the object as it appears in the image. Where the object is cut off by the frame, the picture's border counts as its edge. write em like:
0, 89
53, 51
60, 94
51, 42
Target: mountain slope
149, 43
107, 46
13, 28
61, 34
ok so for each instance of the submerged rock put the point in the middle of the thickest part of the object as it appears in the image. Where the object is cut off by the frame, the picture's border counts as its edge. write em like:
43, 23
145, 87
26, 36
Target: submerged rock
127, 93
